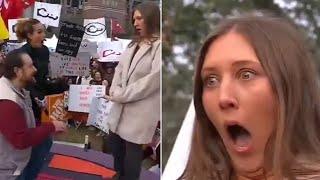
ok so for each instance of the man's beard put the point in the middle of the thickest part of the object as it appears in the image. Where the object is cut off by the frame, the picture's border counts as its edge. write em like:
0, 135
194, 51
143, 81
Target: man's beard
29, 81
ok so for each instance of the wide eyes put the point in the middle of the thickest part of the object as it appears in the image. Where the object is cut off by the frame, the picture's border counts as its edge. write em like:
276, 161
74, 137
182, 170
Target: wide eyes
213, 80
246, 74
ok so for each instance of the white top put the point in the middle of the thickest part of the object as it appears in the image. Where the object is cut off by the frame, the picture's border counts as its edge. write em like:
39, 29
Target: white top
179, 155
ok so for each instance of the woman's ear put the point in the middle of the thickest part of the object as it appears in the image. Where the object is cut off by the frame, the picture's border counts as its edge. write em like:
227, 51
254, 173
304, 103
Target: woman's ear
29, 35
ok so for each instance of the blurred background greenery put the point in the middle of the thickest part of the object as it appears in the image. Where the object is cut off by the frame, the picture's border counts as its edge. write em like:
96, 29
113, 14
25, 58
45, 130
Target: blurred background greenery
185, 25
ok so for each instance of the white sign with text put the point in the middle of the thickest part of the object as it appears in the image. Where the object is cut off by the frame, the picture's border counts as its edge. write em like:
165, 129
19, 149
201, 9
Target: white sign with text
80, 96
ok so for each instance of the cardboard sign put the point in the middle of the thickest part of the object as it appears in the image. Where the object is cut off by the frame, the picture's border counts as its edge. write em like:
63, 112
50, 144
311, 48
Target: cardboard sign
12, 28
95, 29
56, 107
70, 38
88, 46
80, 96
109, 51
48, 14
56, 110
98, 114
69, 66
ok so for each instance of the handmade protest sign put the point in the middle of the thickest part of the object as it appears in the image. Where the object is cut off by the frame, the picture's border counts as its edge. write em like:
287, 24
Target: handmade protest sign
69, 66
48, 14
12, 23
88, 46
98, 113
109, 51
80, 96
95, 29
70, 38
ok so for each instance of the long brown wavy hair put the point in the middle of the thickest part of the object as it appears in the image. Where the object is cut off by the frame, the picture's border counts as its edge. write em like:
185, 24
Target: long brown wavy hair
150, 12
294, 145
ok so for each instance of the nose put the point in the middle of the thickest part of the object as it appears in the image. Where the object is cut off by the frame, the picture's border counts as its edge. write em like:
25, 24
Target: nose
135, 23
227, 95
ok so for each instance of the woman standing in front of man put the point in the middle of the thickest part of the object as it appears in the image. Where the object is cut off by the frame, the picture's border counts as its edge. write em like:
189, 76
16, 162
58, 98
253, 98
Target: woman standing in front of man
135, 91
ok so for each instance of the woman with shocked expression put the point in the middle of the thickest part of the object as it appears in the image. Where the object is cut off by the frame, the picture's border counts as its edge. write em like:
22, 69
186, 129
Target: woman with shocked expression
234, 85
257, 104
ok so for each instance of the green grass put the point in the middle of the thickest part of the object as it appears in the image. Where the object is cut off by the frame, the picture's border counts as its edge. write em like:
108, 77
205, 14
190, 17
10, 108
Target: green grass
74, 135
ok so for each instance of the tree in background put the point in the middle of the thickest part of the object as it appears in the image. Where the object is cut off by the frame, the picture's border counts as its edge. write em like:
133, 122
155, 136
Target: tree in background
186, 23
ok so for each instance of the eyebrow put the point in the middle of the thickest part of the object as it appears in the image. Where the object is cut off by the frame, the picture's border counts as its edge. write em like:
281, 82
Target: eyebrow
234, 64
244, 62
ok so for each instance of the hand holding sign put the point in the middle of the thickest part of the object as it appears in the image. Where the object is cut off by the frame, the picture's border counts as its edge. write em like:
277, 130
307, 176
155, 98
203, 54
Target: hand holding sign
59, 126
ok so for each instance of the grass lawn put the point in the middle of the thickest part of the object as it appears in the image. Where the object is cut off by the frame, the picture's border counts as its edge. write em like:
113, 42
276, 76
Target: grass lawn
74, 135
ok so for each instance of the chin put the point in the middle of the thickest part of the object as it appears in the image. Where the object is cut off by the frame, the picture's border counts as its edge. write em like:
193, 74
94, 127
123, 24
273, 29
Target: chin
32, 81
249, 164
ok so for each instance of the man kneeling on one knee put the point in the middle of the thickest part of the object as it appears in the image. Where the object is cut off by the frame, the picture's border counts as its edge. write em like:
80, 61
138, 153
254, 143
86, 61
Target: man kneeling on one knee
18, 133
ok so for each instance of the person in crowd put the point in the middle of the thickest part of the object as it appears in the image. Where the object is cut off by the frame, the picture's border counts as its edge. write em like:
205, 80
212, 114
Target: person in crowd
109, 72
257, 103
33, 32
135, 93
18, 130
97, 79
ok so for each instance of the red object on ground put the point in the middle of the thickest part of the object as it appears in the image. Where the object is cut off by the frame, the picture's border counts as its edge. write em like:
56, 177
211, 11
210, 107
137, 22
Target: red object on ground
79, 165
44, 176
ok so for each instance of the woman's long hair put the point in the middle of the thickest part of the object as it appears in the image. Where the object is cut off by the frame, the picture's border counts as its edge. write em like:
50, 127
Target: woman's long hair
295, 142
150, 13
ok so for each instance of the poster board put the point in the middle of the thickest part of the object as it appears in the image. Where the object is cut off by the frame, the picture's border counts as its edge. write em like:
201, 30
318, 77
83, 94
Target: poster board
109, 51
12, 28
88, 46
99, 113
95, 29
80, 96
69, 66
56, 109
48, 14
70, 38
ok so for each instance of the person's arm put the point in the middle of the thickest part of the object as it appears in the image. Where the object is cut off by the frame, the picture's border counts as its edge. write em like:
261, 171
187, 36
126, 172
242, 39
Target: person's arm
14, 128
116, 81
143, 87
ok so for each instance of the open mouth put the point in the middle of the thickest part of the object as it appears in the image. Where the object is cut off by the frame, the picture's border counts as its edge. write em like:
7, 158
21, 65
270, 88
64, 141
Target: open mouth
240, 136
138, 30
